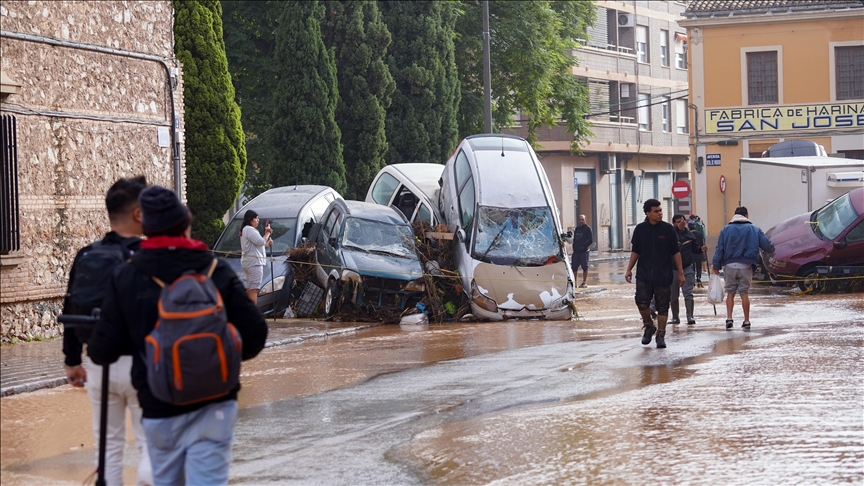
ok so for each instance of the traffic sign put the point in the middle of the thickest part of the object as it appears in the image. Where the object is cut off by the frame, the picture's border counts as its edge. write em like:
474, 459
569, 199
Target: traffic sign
723, 184
680, 189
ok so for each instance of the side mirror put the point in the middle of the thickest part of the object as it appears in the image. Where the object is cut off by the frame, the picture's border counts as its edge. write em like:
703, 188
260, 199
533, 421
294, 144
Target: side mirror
840, 245
460, 233
332, 241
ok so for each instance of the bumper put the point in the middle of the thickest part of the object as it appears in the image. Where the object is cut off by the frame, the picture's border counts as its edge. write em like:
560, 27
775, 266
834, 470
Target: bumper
560, 314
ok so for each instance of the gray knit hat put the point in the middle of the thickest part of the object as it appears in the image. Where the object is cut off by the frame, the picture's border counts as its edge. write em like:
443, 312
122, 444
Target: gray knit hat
161, 210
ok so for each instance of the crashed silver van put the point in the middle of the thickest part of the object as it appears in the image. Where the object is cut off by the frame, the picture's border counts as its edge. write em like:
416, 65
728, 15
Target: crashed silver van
509, 251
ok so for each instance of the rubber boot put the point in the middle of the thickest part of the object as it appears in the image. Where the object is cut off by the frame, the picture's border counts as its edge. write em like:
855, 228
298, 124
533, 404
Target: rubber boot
661, 339
674, 307
688, 304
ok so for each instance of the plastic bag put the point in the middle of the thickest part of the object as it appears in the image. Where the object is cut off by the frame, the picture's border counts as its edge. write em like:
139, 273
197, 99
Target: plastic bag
715, 289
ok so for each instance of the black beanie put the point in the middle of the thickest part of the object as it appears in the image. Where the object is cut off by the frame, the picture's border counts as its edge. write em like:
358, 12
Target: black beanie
161, 210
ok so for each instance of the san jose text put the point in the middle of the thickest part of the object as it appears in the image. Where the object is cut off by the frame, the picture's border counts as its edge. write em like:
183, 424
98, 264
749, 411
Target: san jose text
777, 118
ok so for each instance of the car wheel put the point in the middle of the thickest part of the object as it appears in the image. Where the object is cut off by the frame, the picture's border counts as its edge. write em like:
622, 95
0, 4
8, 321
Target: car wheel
331, 297
808, 278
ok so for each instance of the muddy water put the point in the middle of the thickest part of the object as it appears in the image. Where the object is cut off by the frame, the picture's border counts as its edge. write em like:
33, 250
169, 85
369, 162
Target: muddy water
527, 402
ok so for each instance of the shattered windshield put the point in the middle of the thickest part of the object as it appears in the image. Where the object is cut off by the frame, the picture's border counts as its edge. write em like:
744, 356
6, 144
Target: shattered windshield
522, 236
835, 217
379, 238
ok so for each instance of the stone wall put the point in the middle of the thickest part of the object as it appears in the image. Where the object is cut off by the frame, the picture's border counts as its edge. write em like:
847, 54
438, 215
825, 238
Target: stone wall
84, 120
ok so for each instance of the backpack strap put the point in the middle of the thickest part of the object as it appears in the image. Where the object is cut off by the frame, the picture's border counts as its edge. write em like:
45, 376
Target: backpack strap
210, 271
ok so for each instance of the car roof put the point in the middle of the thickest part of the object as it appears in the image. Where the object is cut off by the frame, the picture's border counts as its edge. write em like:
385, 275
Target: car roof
372, 211
283, 202
424, 176
857, 198
498, 142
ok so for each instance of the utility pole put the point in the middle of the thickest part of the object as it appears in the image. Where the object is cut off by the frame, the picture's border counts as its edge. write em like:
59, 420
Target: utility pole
487, 70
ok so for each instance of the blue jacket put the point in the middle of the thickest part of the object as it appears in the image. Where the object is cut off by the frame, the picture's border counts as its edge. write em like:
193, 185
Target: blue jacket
740, 241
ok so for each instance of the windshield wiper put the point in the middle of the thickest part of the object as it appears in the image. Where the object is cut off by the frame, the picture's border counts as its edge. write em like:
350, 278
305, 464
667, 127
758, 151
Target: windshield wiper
354, 247
494, 241
387, 253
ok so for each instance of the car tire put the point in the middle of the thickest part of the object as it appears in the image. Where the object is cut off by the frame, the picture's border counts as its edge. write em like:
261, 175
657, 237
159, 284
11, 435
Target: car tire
808, 277
332, 295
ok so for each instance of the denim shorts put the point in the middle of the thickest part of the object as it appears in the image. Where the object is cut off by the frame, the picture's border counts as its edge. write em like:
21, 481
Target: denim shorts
580, 260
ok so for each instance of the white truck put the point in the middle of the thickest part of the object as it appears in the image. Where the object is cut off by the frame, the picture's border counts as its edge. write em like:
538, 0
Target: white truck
776, 189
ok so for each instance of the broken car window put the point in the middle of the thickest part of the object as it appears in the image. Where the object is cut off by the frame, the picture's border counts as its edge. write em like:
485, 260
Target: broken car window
374, 236
523, 236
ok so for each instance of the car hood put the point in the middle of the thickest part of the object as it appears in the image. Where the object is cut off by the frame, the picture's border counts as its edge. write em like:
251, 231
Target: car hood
515, 288
382, 266
793, 232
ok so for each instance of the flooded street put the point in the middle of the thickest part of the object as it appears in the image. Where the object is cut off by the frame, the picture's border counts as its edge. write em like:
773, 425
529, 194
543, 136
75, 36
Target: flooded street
529, 402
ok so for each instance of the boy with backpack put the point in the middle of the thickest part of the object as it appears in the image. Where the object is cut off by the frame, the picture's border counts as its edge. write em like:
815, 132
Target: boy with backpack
88, 278
188, 338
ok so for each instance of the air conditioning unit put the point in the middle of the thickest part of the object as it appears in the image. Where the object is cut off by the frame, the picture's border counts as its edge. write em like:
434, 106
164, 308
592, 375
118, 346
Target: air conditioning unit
607, 162
626, 20
845, 179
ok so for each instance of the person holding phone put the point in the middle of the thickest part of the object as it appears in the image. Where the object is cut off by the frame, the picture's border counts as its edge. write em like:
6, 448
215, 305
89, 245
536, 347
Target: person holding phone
252, 244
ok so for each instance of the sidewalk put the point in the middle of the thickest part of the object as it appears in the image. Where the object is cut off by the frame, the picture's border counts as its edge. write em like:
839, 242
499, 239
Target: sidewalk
28, 367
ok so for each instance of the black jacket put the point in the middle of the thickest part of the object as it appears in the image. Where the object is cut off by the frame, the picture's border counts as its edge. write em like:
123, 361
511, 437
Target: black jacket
583, 238
687, 244
655, 244
72, 345
129, 313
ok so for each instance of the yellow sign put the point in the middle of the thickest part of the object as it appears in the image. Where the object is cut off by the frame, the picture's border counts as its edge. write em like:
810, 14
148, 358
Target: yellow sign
760, 119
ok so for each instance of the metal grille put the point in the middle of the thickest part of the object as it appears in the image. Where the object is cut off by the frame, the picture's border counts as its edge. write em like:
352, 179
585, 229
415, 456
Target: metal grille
10, 239
849, 62
762, 77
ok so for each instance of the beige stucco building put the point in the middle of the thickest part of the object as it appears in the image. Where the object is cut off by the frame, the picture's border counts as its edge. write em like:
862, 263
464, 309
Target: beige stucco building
765, 71
91, 92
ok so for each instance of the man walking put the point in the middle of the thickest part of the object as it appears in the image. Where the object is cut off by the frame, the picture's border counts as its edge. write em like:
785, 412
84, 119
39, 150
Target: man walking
583, 238
695, 225
737, 251
124, 219
188, 443
655, 247
690, 251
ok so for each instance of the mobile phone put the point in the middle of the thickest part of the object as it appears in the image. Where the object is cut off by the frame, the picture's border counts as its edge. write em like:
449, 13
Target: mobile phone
267, 223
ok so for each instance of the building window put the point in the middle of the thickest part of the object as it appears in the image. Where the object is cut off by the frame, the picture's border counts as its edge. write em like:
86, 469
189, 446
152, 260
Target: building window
642, 43
665, 109
762, 77
10, 226
664, 48
849, 65
681, 116
680, 51
644, 112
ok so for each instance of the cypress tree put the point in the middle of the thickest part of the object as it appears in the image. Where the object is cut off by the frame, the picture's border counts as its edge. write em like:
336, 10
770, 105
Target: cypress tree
421, 122
356, 34
215, 145
303, 134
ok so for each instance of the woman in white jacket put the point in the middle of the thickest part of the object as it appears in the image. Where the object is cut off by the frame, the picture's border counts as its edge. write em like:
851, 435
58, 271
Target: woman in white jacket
252, 245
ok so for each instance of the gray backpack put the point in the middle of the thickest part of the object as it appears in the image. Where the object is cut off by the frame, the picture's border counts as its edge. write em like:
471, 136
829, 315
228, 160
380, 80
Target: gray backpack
193, 353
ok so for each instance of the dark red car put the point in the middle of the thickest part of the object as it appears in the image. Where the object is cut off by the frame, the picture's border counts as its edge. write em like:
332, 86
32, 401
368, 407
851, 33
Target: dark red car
831, 235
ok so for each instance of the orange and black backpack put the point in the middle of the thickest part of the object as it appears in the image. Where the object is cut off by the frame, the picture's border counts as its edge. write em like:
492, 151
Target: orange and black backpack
193, 353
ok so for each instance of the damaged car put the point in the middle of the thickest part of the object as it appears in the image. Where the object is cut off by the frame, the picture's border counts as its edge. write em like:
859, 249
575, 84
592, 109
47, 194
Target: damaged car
366, 258
509, 248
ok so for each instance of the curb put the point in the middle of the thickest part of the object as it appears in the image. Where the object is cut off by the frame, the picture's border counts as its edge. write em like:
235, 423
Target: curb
60, 381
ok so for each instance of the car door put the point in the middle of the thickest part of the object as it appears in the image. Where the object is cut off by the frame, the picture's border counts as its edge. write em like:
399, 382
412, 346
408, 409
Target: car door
849, 246
323, 250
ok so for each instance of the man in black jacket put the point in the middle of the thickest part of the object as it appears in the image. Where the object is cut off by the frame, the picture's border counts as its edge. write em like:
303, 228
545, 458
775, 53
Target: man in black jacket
582, 240
655, 246
691, 252
124, 219
188, 443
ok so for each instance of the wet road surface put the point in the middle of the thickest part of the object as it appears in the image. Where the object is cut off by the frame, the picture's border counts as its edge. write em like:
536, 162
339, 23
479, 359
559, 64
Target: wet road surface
529, 402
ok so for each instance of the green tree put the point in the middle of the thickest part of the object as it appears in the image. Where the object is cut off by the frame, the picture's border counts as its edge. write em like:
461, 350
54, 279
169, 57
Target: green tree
531, 65
355, 32
215, 145
250, 45
303, 132
421, 122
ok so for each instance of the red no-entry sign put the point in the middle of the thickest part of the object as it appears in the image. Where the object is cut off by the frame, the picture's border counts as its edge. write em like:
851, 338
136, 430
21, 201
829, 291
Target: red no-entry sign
680, 189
